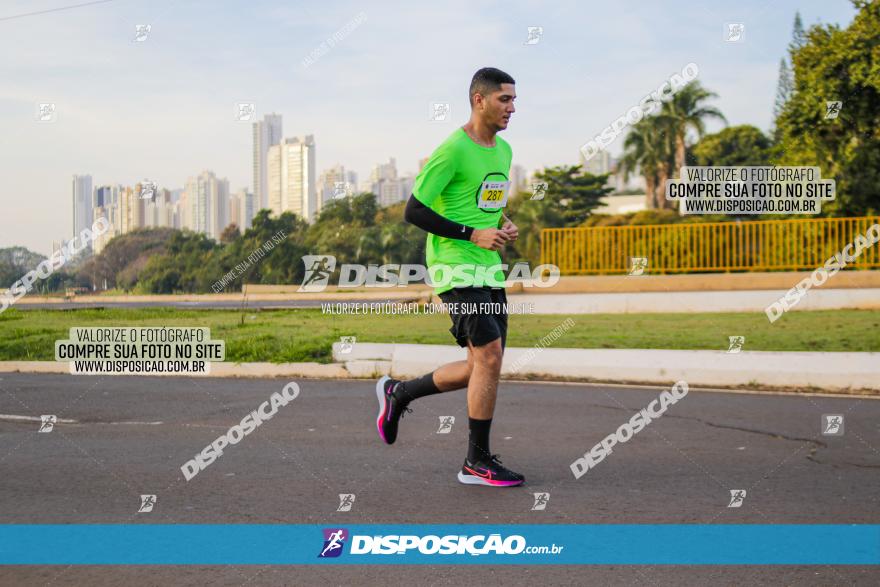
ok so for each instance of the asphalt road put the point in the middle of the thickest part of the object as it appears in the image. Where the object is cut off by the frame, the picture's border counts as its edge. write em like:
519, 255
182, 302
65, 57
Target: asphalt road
130, 435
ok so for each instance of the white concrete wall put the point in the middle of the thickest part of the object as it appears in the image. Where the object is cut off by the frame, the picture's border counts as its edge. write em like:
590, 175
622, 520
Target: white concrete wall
694, 301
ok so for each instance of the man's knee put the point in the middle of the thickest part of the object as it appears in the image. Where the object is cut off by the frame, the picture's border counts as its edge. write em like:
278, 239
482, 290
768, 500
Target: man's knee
489, 355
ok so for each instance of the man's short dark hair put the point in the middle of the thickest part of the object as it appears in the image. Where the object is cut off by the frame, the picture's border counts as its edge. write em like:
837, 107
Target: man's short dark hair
486, 81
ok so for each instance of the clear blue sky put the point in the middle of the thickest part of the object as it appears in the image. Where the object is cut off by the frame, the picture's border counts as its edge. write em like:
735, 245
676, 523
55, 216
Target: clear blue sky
163, 109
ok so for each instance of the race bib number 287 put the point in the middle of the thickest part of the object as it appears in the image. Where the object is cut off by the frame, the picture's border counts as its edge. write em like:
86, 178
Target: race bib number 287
493, 194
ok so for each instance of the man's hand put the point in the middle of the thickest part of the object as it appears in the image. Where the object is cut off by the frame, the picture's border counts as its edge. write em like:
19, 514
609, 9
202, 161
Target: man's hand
510, 229
493, 239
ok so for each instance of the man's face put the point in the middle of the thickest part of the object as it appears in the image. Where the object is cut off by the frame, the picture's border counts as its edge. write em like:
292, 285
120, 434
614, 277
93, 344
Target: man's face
496, 108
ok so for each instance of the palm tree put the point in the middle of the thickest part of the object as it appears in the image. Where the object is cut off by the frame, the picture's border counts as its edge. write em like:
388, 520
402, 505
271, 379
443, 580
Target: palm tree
686, 111
647, 148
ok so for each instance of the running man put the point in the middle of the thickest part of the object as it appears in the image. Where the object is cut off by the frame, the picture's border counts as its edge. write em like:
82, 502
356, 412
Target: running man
458, 199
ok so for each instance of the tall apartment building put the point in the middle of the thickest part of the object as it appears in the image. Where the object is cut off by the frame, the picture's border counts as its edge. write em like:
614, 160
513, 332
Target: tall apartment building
241, 209
292, 180
382, 171
266, 133
160, 211
207, 204
82, 203
386, 185
518, 180
392, 191
600, 164
107, 204
126, 210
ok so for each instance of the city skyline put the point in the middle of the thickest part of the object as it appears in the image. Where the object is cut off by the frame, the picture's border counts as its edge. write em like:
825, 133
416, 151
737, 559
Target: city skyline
206, 204
121, 112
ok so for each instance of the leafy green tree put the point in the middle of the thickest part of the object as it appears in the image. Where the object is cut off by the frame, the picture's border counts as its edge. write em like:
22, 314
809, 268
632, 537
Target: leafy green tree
339, 229
574, 193
570, 197
185, 266
230, 233
798, 36
687, 111
648, 149
784, 88
281, 241
838, 65
21, 257
785, 85
733, 146
531, 216
9, 274
124, 257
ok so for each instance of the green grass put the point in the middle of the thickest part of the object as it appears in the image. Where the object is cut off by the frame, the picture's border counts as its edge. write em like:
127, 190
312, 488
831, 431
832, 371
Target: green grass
306, 335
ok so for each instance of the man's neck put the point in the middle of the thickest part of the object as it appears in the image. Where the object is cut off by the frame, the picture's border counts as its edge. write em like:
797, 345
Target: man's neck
480, 133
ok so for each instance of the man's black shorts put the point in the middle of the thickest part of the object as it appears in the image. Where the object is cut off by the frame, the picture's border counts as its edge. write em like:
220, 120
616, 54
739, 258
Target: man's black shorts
471, 321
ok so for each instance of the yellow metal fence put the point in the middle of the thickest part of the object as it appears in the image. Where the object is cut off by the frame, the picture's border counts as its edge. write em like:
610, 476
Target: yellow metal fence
766, 245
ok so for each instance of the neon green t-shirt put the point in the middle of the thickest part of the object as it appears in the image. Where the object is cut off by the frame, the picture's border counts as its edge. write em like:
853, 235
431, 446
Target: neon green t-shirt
450, 184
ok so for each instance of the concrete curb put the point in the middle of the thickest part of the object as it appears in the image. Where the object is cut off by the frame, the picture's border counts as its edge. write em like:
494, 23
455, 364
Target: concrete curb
310, 370
838, 372
832, 371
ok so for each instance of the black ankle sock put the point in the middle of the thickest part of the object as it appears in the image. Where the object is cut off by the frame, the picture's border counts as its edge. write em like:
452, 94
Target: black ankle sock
478, 445
416, 388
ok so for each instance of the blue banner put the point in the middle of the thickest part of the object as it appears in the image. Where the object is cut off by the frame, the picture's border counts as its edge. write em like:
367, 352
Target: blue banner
370, 544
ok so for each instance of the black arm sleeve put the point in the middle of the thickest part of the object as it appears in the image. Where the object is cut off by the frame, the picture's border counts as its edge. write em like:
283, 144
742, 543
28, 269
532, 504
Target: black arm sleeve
420, 215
